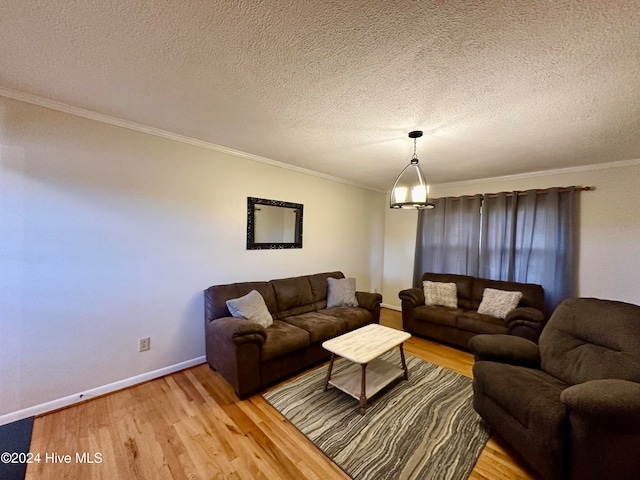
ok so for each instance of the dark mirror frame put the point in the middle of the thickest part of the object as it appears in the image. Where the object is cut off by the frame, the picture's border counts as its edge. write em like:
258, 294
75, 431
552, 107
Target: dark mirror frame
251, 224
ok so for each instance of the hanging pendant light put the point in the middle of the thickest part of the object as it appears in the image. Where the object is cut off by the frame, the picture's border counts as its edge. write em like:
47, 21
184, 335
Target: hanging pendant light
410, 189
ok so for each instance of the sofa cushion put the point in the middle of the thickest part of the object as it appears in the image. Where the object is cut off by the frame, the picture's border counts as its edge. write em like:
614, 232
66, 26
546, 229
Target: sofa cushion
252, 307
320, 327
354, 317
592, 339
341, 292
523, 407
320, 286
216, 297
528, 394
282, 338
436, 314
293, 296
478, 323
532, 294
498, 303
440, 293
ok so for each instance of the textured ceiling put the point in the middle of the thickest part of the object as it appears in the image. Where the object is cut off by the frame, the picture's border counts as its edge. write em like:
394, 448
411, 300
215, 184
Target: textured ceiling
499, 87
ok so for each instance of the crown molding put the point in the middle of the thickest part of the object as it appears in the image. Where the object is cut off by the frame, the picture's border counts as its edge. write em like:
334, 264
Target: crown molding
138, 127
544, 173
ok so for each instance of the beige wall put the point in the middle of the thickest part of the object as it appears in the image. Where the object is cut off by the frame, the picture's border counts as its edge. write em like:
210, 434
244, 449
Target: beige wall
110, 235
609, 230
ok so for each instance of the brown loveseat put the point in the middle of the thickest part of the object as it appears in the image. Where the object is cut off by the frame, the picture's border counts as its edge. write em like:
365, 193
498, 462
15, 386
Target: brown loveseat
250, 356
570, 405
458, 325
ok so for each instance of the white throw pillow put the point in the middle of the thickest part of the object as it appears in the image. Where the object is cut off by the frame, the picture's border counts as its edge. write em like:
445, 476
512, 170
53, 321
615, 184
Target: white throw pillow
498, 303
341, 292
251, 307
440, 293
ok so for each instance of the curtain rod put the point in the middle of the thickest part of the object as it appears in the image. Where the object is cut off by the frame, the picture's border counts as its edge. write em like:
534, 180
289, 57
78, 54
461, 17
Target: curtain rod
521, 193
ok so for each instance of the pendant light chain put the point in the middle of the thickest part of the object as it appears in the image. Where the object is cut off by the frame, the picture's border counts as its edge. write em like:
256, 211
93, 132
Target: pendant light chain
414, 159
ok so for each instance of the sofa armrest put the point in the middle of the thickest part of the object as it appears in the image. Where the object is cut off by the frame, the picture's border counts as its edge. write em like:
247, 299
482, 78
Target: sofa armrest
525, 322
370, 301
413, 296
604, 428
505, 349
237, 330
607, 401
233, 348
525, 316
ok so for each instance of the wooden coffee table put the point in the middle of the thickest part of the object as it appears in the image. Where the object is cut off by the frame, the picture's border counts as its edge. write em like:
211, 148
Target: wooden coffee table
368, 374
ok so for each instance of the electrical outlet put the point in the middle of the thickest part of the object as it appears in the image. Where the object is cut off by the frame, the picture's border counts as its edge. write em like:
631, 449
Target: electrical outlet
144, 344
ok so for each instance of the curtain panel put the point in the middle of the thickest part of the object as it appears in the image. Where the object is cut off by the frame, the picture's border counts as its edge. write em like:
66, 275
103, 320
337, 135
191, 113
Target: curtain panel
530, 239
448, 237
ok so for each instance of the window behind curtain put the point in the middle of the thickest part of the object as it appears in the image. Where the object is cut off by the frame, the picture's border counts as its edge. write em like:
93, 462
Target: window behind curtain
448, 237
527, 238
530, 239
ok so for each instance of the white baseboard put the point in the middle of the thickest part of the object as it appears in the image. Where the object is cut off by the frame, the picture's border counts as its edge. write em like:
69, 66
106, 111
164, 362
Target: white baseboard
94, 392
391, 307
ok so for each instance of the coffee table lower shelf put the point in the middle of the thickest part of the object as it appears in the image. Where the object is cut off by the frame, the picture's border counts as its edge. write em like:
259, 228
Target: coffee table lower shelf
379, 374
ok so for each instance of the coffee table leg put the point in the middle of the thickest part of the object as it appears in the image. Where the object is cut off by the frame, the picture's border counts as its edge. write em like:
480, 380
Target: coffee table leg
404, 363
326, 381
363, 390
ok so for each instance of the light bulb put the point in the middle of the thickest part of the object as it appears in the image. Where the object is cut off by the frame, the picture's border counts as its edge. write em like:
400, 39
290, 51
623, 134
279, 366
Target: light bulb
400, 194
419, 194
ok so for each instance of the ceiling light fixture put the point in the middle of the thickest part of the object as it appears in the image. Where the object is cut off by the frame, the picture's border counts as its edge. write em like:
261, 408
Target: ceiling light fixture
410, 189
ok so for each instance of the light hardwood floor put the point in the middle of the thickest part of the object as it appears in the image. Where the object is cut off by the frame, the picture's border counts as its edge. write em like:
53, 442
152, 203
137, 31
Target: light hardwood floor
190, 425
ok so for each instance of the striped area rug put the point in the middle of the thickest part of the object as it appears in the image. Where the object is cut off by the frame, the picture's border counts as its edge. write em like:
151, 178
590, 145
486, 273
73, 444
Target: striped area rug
423, 428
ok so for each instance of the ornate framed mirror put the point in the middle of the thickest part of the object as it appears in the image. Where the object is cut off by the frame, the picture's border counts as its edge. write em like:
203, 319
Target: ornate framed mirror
273, 224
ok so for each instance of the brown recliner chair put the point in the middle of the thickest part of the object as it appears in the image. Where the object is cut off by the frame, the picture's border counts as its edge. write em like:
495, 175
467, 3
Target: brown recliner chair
569, 406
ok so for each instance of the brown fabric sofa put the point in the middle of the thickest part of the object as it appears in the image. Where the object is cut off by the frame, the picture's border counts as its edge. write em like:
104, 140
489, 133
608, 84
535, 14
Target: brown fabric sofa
250, 356
458, 325
570, 405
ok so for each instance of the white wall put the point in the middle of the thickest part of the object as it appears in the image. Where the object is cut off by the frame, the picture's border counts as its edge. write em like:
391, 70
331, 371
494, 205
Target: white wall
399, 251
609, 229
109, 235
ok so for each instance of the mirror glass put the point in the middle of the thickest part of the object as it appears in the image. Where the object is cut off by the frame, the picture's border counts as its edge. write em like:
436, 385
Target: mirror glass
273, 224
